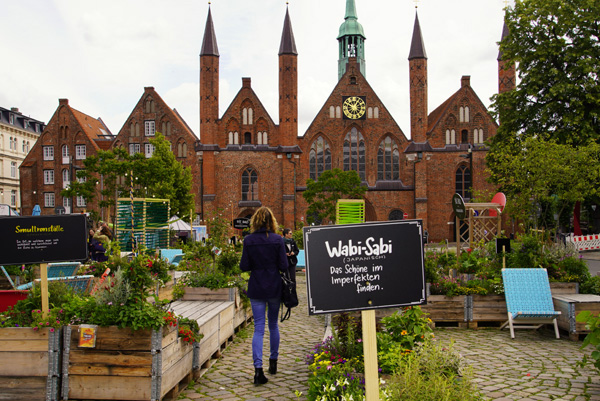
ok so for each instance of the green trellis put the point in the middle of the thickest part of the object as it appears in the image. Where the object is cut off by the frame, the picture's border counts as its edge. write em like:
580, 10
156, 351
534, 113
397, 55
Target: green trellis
146, 224
349, 211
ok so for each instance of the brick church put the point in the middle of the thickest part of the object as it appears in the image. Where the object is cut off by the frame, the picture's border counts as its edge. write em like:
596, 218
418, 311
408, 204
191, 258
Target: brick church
249, 160
245, 159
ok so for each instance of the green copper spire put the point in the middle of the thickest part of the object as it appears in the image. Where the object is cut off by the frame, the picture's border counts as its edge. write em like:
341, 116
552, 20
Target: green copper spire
351, 40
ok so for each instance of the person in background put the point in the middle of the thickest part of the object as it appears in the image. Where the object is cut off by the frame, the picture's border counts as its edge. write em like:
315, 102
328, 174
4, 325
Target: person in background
103, 237
291, 250
264, 256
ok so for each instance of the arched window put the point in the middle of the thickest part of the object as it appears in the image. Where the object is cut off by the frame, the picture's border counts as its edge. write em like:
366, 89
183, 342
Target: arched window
375, 112
388, 160
370, 112
478, 135
464, 136
265, 138
65, 154
250, 116
131, 129
450, 137
66, 178
245, 116
247, 138
249, 185
463, 182
396, 215
338, 112
354, 153
319, 158
331, 111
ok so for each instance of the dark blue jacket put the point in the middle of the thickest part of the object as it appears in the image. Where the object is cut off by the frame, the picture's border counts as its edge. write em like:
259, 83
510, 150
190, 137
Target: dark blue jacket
264, 257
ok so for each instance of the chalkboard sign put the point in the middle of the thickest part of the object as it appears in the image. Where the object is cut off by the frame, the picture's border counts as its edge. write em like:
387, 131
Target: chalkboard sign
364, 266
43, 239
502, 243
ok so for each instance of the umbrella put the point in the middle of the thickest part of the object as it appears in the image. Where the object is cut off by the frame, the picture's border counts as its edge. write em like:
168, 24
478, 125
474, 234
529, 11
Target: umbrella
176, 224
36, 210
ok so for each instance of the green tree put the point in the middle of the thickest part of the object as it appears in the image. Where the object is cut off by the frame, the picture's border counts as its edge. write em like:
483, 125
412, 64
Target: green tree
106, 176
164, 177
555, 44
548, 173
322, 195
545, 150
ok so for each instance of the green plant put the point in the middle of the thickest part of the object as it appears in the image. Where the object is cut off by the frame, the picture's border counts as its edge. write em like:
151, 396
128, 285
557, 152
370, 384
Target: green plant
592, 339
590, 286
432, 373
407, 327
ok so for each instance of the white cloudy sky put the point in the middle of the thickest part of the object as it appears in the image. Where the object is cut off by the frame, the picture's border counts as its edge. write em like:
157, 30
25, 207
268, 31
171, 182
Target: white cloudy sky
101, 54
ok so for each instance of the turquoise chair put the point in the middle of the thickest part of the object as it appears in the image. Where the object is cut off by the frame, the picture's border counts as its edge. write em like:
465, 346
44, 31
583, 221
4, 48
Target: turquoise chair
528, 300
301, 261
173, 256
81, 284
57, 270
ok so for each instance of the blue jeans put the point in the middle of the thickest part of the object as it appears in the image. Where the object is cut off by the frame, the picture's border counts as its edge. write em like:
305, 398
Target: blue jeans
260, 310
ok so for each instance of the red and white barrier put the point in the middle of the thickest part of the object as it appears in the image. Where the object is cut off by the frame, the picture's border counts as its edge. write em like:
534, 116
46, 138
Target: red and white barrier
585, 242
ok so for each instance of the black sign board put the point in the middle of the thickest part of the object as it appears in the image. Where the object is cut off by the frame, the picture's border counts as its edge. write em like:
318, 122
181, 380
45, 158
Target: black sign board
458, 205
43, 239
502, 243
241, 223
364, 266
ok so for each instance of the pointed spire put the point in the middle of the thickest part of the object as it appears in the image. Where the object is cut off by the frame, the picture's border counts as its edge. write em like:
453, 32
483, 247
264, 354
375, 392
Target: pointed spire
209, 44
417, 48
504, 35
350, 10
288, 44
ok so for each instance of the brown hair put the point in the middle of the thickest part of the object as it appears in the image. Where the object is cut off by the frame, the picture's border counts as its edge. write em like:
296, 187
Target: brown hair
104, 230
263, 218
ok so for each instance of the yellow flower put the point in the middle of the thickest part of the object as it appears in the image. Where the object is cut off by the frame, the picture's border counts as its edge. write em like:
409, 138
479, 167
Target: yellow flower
404, 332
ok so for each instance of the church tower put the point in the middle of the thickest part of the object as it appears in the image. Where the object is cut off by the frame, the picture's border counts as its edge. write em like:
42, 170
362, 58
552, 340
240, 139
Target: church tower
417, 61
351, 41
209, 84
507, 73
288, 85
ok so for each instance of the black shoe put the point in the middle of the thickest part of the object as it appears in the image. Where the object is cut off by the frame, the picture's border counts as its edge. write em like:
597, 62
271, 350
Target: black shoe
259, 377
272, 366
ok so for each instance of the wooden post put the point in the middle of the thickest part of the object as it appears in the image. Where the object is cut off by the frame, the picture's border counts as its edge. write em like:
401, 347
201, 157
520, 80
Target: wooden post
503, 257
44, 284
471, 217
458, 238
370, 355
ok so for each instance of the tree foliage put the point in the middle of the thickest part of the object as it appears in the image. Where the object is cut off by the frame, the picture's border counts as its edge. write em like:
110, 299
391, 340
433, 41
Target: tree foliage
107, 176
546, 147
322, 195
556, 46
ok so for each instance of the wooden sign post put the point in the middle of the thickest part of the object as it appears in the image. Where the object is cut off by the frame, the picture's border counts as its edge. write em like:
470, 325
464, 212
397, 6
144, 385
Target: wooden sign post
364, 267
44, 284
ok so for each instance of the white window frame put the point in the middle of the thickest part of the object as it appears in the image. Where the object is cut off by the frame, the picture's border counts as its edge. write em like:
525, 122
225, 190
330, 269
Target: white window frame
66, 177
149, 150
149, 128
80, 152
134, 148
13, 197
49, 200
81, 202
48, 152
67, 203
13, 169
48, 177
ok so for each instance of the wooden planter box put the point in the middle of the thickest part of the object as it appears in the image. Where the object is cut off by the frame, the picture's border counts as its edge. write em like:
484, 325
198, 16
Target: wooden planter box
564, 288
206, 294
570, 305
487, 308
126, 364
446, 309
30, 364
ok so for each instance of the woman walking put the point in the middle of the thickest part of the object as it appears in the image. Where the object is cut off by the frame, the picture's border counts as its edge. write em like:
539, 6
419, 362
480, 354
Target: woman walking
264, 255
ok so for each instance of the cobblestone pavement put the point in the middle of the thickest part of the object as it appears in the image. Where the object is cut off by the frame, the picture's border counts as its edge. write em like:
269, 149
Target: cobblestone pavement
533, 367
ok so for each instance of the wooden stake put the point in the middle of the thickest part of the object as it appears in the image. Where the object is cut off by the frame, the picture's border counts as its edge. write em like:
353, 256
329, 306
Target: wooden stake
44, 284
370, 355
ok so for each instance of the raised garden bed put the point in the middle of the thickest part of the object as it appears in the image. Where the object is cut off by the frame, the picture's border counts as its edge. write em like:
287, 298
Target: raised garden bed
570, 305
126, 365
30, 364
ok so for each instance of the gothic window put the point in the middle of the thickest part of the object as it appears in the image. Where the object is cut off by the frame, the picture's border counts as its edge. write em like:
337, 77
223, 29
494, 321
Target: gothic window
245, 116
131, 129
137, 129
319, 158
265, 138
463, 115
331, 111
388, 160
247, 138
354, 153
478, 135
376, 112
181, 149
249, 185
450, 137
250, 116
150, 107
463, 182
338, 112
370, 112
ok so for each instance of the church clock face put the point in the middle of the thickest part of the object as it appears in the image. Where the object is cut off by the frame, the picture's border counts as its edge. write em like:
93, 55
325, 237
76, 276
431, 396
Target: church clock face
354, 107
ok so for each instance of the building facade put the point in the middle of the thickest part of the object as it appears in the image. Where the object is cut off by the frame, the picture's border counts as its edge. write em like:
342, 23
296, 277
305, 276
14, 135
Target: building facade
249, 160
18, 134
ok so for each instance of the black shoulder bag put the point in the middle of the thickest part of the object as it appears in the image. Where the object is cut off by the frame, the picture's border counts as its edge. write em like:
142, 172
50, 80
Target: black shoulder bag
289, 297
